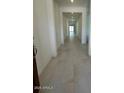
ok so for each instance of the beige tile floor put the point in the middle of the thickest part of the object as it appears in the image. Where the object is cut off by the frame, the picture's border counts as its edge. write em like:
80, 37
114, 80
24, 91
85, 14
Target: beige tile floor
70, 71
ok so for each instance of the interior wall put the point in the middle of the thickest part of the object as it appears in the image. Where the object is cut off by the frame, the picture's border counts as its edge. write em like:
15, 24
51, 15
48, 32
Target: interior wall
51, 26
57, 24
79, 27
89, 27
74, 27
88, 33
84, 30
67, 27
65, 23
41, 34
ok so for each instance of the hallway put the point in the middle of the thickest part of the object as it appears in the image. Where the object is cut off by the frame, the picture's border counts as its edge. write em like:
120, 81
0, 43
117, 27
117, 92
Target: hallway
69, 72
62, 39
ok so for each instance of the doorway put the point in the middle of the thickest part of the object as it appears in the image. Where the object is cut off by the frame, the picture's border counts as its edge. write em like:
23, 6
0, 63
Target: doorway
71, 31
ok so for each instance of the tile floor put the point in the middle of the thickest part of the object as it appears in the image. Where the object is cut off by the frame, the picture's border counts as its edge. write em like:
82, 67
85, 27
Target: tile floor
70, 71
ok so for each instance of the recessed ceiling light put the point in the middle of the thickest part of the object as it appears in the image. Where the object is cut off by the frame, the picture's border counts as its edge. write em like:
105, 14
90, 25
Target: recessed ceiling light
72, 1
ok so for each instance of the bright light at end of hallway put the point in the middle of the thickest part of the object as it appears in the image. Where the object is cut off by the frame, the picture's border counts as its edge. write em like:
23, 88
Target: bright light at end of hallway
72, 1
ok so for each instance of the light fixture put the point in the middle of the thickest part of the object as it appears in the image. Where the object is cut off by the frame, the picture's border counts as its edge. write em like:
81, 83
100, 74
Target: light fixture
72, 1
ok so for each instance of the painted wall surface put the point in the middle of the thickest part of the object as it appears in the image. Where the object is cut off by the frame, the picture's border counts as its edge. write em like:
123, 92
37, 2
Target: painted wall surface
41, 34
65, 24
89, 27
84, 31
79, 27
77, 32
57, 24
67, 27
51, 26
88, 33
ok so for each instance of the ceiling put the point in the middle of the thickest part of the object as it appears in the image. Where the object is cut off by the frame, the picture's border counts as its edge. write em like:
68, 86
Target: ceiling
76, 3
72, 17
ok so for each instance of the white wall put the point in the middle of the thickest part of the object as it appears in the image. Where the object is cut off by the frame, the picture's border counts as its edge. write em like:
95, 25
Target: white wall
79, 27
65, 26
84, 30
57, 24
89, 27
51, 26
77, 32
88, 33
44, 32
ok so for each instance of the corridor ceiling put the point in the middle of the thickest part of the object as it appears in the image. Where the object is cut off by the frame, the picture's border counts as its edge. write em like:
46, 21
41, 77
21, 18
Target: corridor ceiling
76, 3
72, 17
